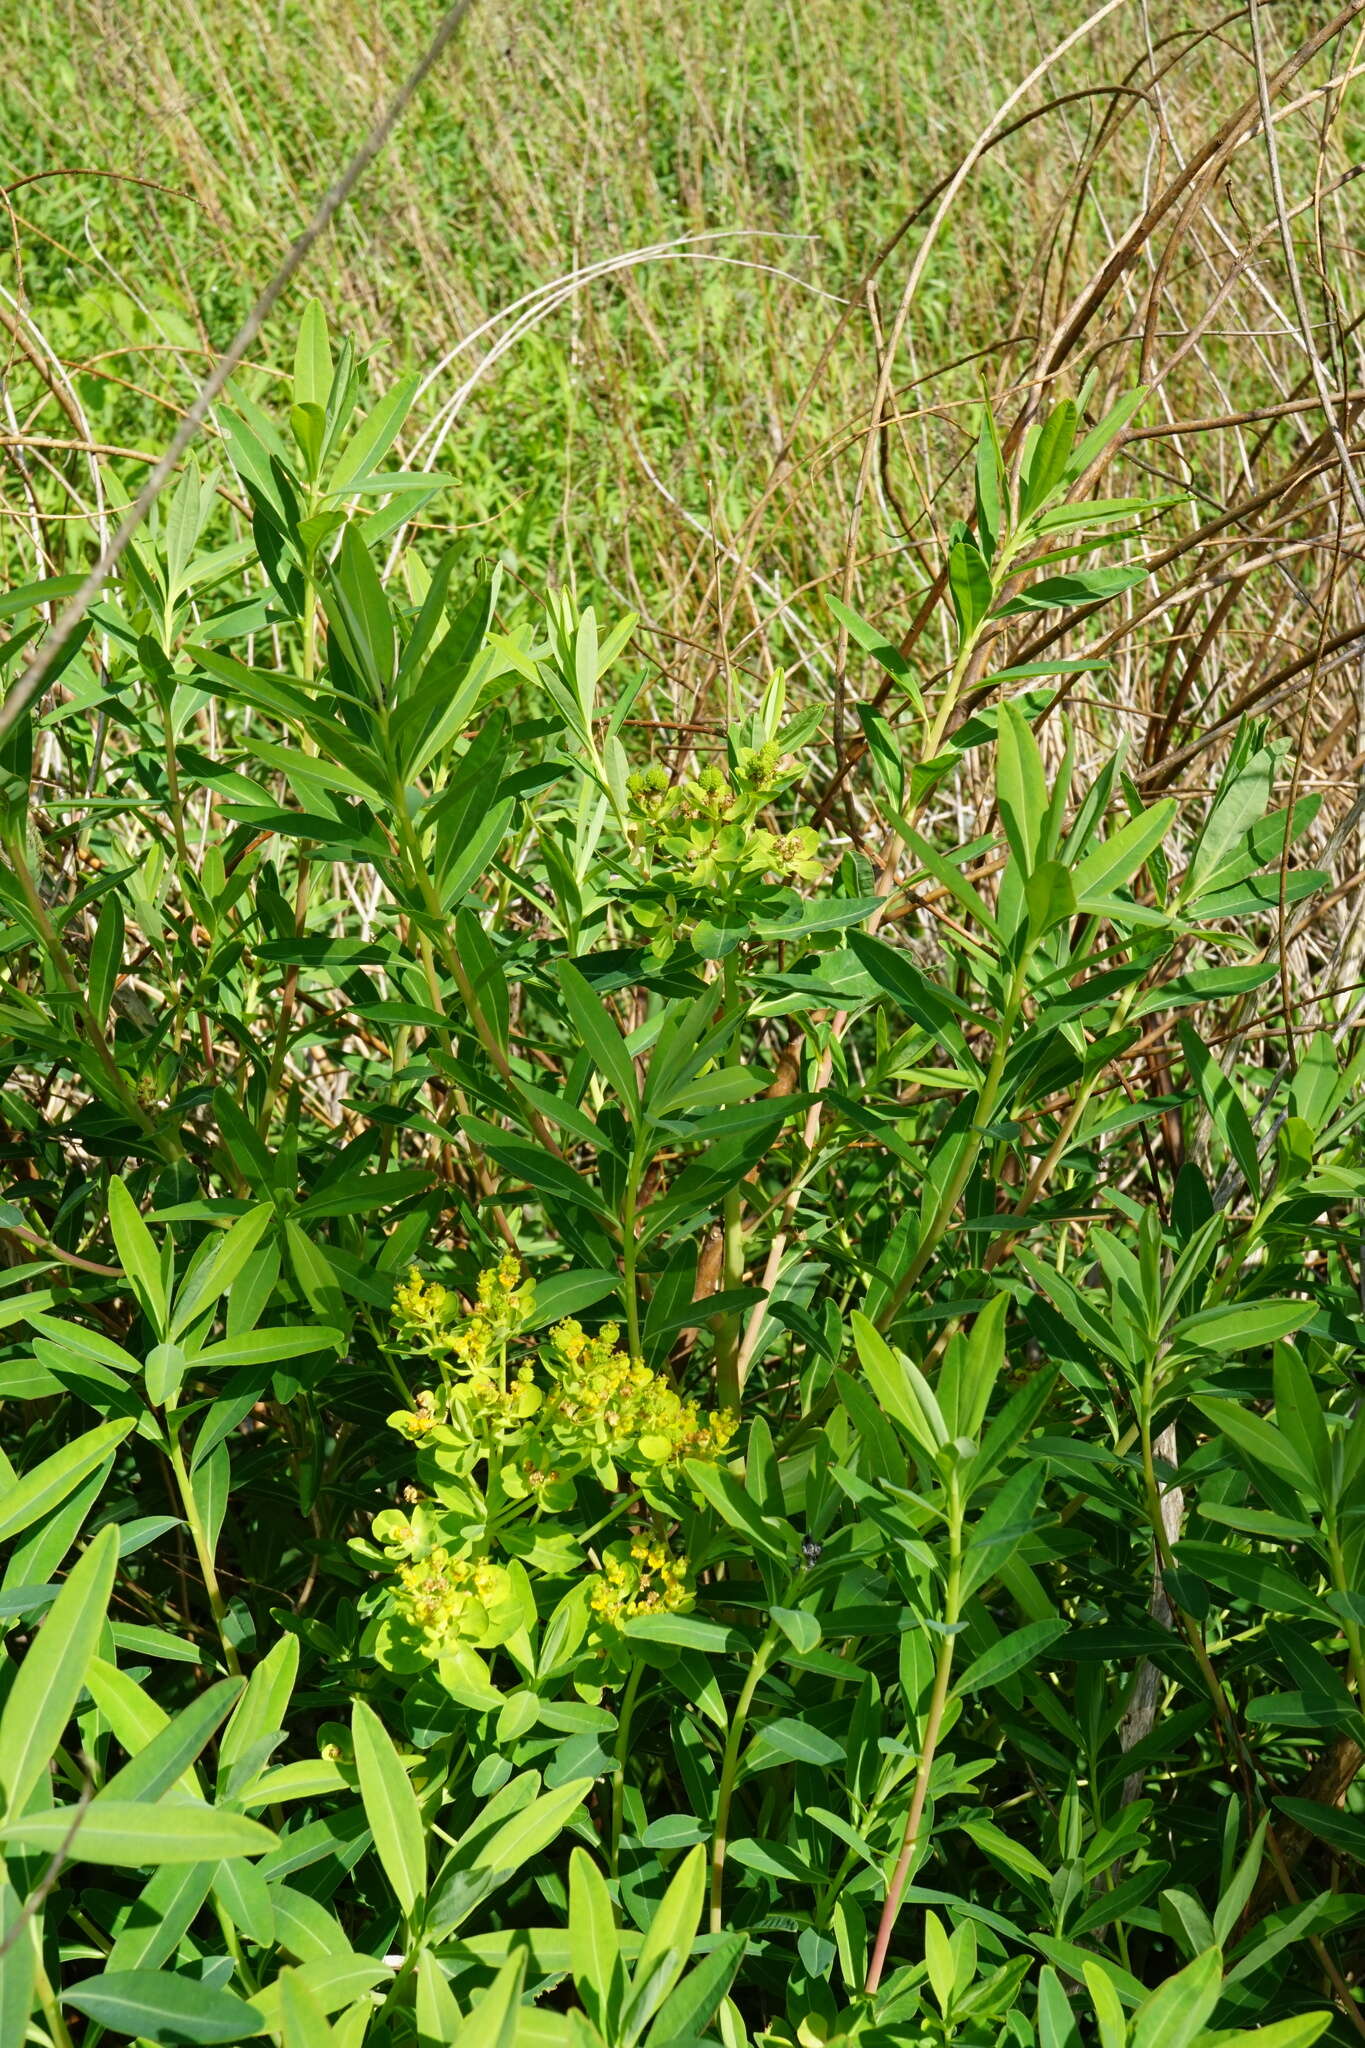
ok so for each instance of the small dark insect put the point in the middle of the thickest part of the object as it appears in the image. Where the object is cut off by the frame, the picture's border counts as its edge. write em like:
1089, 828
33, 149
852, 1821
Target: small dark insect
811, 1552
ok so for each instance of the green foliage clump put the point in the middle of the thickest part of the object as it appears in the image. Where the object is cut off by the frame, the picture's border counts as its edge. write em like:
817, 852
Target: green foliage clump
868, 1546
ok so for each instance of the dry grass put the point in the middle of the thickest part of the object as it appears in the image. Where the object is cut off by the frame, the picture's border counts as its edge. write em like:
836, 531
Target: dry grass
690, 344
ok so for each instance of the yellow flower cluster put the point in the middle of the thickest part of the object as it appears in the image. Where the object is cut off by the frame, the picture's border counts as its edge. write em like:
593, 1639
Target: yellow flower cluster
484, 1403
426, 1411
623, 1406
504, 1302
646, 1579
427, 1316
447, 1598
421, 1309
601, 1404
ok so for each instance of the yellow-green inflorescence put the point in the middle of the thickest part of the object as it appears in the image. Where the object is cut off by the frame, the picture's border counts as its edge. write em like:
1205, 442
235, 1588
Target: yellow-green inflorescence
703, 847
640, 1577
501, 1442
599, 1404
605, 1400
447, 1600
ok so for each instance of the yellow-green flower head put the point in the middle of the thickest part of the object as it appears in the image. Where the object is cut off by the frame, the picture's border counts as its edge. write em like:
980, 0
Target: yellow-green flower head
759, 767
473, 1344
423, 1300
710, 796
400, 1533
642, 1578
536, 1476
446, 1598
651, 793
421, 1308
480, 1407
428, 1317
605, 1399
505, 1299
798, 854
427, 1411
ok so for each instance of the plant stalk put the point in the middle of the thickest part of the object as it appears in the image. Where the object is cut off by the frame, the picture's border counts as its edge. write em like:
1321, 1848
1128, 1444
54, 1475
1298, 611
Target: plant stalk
938, 1702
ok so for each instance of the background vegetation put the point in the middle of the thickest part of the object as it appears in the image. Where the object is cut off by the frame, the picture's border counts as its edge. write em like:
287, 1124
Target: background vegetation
741, 745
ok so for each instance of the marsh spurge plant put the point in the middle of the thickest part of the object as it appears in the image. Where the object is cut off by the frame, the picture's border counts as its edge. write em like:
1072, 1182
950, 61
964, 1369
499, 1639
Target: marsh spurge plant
497, 1454
640, 1409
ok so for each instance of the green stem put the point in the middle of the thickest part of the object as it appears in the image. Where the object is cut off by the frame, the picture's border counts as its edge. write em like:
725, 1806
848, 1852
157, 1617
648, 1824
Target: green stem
729, 1379
234, 1948
630, 1253
1001, 570
618, 1783
202, 1549
729, 1770
1341, 1580
47, 1997
938, 1702
173, 783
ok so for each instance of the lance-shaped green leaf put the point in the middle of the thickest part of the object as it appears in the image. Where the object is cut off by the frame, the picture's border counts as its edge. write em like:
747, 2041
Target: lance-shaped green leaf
390, 1807
899, 1386
770, 1534
161, 2006
599, 1036
1224, 1106
1299, 1413
671, 1931
1012, 1653
137, 1251
258, 1724
1240, 1325
49, 1681
18, 1961
1064, 593
106, 956
883, 652
950, 876
168, 1756
1256, 1438
26, 1500
493, 2021
1114, 863
312, 357
374, 436
931, 1006
539, 1169
1021, 787
1050, 897
129, 1834
214, 1272
691, 2005
303, 2024
595, 1947
360, 613
533, 1829
1235, 1894
1098, 439
969, 583
1178, 2011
